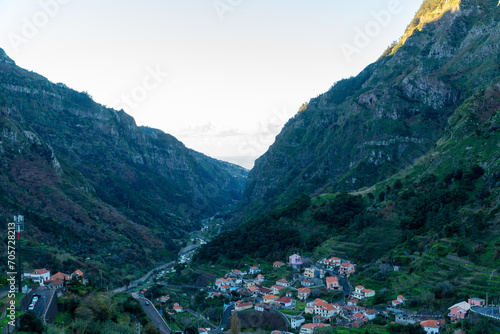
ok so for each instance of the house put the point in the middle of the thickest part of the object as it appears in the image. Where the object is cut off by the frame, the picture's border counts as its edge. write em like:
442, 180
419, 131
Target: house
178, 308
332, 283
277, 288
331, 263
309, 328
317, 319
459, 311
265, 291
347, 268
307, 283
78, 273
432, 326
260, 278
352, 302
360, 292
54, 284
285, 301
370, 314
323, 309
243, 306
278, 264
476, 302
289, 294
254, 270
313, 272
254, 291
280, 332
360, 317
295, 322
62, 276
260, 307
236, 272
249, 283
295, 260
270, 298
165, 299
284, 283
401, 299
396, 303
39, 275
303, 293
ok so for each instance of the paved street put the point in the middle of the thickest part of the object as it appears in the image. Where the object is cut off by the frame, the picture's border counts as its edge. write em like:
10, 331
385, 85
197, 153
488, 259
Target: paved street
153, 315
492, 312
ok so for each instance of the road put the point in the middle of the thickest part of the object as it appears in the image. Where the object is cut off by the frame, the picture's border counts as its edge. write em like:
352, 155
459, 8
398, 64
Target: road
42, 302
145, 277
492, 311
223, 322
153, 314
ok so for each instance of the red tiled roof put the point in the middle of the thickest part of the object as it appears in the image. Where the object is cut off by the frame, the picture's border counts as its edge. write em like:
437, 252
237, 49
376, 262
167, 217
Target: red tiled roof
332, 279
304, 290
285, 300
432, 323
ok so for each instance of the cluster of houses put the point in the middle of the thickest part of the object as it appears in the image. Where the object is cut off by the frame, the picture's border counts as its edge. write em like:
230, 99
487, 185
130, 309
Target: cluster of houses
56, 281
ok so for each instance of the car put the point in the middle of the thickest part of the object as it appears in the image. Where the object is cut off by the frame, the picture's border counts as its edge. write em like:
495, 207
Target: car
147, 303
31, 307
35, 299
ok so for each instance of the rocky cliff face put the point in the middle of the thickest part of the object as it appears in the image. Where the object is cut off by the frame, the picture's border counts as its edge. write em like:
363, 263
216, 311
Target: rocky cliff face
72, 162
367, 127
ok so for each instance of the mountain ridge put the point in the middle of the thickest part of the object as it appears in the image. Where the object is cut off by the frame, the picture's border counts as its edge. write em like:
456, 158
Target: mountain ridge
93, 170
366, 128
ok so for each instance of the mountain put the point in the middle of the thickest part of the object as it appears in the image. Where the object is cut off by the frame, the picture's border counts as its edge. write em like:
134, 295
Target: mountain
368, 127
92, 184
397, 166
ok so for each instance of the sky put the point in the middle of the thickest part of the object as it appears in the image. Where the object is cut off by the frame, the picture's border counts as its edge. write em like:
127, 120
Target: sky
222, 76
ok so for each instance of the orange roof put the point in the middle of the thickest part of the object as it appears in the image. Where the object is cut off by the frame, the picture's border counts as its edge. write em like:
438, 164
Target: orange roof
360, 287
432, 323
278, 287
401, 297
271, 297
396, 301
326, 306
332, 279
310, 326
334, 259
39, 271
78, 272
56, 281
277, 263
60, 275
371, 311
225, 286
304, 290
367, 290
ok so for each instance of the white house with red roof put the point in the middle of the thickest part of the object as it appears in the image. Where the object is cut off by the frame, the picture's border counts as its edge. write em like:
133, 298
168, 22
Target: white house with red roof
303, 293
254, 270
309, 328
276, 289
260, 278
459, 311
306, 283
332, 283
347, 268
361, 292
370, 314
39, 275
432, 326
278, 264
178, 308
285, 301
284, 283
325, 310
243, 306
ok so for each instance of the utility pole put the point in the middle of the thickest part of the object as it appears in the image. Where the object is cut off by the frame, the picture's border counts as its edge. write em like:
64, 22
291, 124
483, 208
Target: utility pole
19, 222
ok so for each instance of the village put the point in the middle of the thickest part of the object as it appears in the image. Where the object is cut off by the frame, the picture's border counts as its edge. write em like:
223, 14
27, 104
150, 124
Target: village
316, 296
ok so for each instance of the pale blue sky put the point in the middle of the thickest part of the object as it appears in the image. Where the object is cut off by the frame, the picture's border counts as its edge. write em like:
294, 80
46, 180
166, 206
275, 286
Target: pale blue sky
237, 69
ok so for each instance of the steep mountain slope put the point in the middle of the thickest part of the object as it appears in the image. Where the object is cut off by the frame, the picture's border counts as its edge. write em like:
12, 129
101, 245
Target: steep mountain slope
73, 165
366, 128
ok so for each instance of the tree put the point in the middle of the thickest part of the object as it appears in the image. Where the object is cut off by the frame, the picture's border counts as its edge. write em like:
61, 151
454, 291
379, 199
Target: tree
31, 322
151, 329
235, 324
